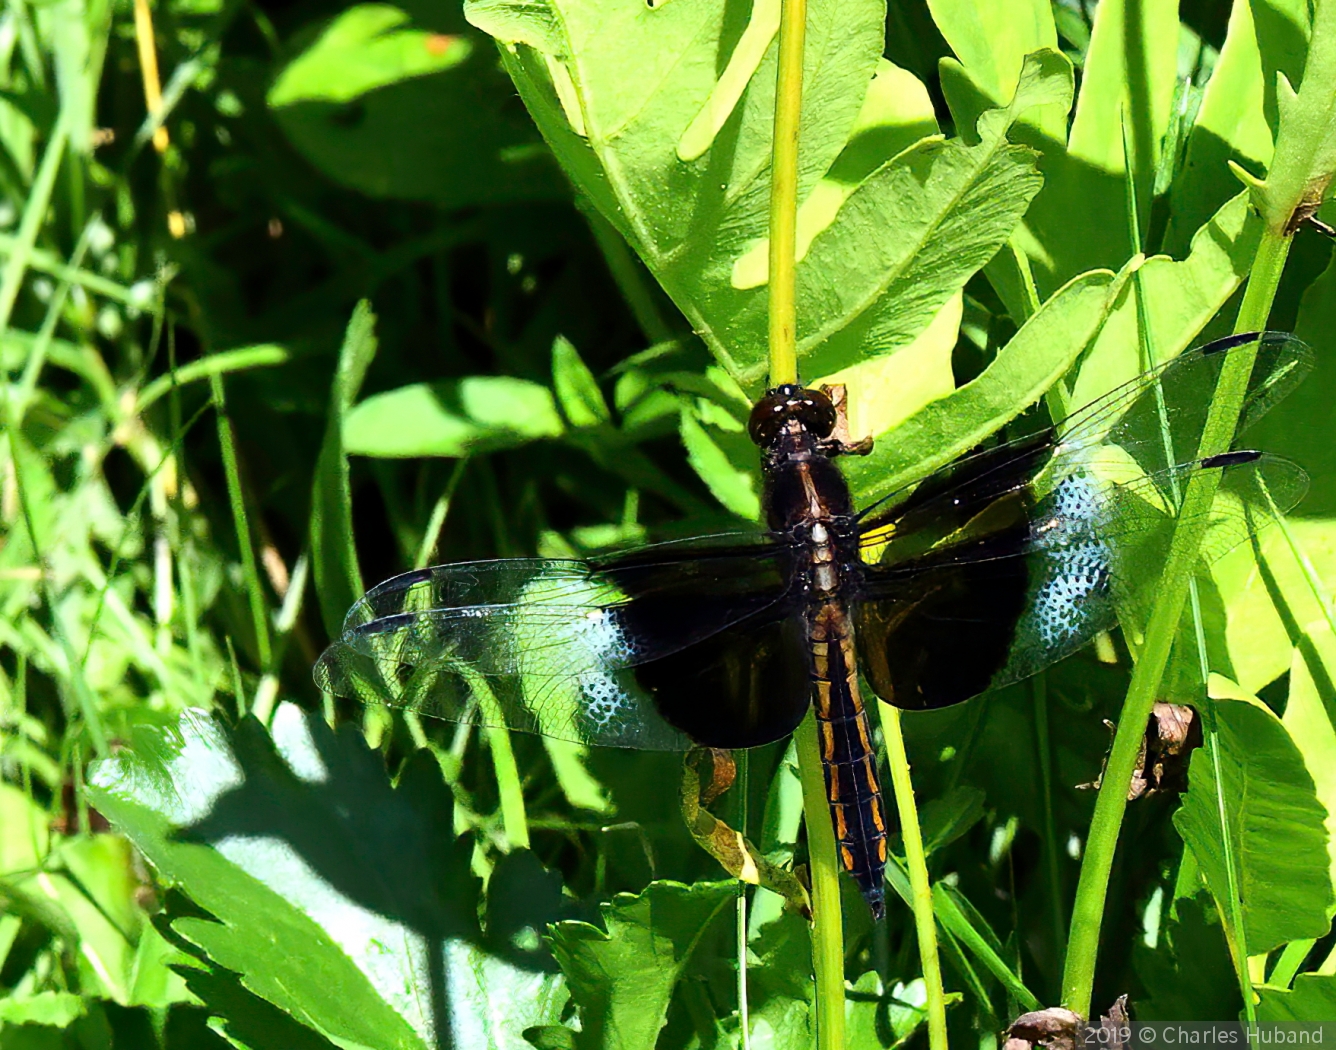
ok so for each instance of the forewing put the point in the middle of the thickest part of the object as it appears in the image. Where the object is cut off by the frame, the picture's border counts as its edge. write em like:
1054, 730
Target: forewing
551, 646
1039, 571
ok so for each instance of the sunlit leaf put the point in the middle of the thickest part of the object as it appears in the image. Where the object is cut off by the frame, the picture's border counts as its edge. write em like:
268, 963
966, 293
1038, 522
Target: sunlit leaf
1275, 826
334, 896
452, 418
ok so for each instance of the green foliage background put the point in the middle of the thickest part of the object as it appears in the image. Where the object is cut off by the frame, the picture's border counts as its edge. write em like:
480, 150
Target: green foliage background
558, 250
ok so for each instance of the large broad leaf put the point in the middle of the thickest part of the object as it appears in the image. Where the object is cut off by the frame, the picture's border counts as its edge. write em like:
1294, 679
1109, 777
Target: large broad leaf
1275, 825
376, 102
341, 900
675, 153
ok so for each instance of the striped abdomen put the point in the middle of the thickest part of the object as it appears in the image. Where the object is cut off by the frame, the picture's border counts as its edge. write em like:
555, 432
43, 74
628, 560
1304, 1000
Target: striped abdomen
847, 756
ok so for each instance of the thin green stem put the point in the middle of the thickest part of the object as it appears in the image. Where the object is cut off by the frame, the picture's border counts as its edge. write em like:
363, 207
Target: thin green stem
241, 522
34, 214
509, 786
784, 194
744, 1014
1052, 864
916, 860
1222, 419
827, 919
432, 536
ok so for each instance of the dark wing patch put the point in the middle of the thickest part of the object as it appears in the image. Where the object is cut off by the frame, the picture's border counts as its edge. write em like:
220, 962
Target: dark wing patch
558, 647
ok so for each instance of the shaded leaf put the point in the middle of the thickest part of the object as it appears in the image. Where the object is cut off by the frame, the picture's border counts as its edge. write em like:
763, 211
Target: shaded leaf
577, 391
365, 47
622, 980
375, 103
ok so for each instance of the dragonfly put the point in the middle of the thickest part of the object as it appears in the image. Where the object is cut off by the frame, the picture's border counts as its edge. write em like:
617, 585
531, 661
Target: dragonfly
985, 572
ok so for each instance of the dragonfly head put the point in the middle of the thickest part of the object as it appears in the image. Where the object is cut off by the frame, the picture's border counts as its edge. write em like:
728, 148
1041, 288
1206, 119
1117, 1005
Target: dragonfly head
791, 407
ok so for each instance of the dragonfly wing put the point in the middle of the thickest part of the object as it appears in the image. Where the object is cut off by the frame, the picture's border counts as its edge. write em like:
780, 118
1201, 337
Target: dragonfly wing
1036, 574
593, 652
1156, 420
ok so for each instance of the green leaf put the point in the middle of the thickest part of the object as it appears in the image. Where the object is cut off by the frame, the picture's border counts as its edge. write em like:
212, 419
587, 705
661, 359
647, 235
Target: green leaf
630, 134
1309, 720
883, 391
991, 39
365, 47
1180, 297
577, 391
1231, 124
1037, 355
338, 580
914, 232
1080, 220
1312, 999
452, 418
55, 1009
376, 103
1268, 601
1266, 596
949, 816
332, 895
1275, 827
1310, 411
725, 459
1304, 161
900, 245
245, 1020
1189, 975
623, 979
24, 846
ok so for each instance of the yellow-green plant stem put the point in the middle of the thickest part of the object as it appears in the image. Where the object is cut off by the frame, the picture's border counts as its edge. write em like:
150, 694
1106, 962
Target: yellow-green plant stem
827, 919
784, 194
1222, 419
916, 860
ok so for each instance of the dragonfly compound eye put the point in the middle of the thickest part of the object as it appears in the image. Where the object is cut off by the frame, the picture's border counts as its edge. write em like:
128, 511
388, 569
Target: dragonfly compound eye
811, 408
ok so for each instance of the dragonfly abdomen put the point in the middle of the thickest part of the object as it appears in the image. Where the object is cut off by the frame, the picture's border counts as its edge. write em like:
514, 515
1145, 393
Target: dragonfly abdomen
847, 755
